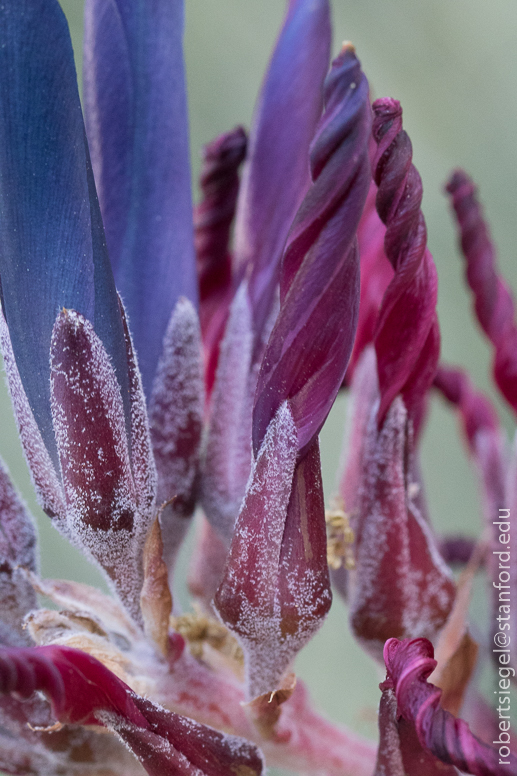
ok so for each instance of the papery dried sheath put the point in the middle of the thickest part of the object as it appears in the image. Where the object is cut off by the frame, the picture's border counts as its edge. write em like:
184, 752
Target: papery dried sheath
136, 118
52, 250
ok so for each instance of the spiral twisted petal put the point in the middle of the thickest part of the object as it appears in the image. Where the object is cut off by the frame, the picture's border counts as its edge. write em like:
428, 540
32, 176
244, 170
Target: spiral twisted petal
407, 334
409, 663
308, 351
493, 302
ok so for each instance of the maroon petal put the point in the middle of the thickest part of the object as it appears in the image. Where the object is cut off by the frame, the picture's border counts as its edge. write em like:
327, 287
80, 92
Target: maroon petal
400, 586
288, 110
227, 454
376, 274
102, 509
482, 432
493, 301
400, 751
309, 347
83, 691
408, 664
17, 554
247, 599
406, 337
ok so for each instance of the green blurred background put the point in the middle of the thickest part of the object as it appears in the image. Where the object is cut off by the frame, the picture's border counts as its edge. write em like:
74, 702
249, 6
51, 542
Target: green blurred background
453, 66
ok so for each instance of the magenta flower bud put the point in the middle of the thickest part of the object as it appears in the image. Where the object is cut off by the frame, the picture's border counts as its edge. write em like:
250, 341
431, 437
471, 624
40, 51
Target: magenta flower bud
275, 590
407, 338
213, 219
493, 301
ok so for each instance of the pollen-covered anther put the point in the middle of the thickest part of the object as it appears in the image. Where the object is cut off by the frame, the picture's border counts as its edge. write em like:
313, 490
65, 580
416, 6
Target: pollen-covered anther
200, 631
340, 537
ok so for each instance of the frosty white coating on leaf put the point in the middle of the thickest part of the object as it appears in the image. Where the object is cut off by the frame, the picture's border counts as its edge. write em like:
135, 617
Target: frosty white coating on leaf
102, 515
141, 454
247, 599
227, 455
17, 554
43, 474
176, 417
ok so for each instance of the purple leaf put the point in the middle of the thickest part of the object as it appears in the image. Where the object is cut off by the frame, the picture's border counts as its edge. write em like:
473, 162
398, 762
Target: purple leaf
52, 248
288, 110
136, 117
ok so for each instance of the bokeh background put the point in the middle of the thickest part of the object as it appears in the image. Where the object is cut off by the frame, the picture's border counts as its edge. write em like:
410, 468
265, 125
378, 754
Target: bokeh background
453, 66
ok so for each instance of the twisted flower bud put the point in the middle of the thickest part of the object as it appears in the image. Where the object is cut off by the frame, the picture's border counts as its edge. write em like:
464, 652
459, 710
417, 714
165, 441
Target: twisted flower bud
407, 336
493, 301
275, 590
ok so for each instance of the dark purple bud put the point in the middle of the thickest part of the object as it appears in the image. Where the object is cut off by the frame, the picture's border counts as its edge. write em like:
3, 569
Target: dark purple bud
227, 452
275, 590
407, 337
376, 274
400, 585
483, 434
286, 116
105, 515
493, 301
400, 751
